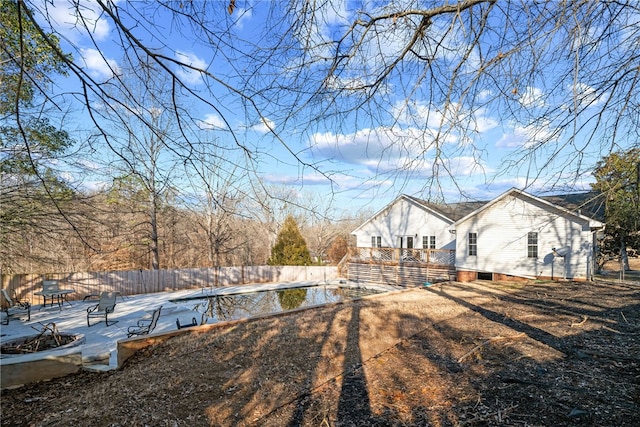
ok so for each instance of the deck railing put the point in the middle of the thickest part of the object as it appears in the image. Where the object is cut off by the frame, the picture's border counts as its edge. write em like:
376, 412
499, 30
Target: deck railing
398, 255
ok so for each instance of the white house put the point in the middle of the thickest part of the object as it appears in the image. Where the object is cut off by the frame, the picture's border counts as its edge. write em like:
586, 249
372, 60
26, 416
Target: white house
514, 234
407, 223
518, 234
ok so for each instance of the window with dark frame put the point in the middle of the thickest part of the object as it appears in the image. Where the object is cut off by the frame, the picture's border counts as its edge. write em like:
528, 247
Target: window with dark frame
532, 245
432, 242
376, 241
473, 244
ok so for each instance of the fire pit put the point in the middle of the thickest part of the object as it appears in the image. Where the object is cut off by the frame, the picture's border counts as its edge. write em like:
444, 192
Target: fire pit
48, 339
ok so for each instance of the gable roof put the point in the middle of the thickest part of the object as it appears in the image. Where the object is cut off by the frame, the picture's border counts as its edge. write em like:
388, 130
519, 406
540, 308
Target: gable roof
569, 204
452, 211
588, 205
430, 207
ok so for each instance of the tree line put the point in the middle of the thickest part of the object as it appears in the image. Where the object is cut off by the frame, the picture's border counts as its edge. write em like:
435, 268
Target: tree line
420, 80
168, 196
111, 231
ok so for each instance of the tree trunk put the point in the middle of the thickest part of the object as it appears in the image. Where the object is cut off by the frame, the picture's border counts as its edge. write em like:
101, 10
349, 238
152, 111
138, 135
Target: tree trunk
624, 257
155, 253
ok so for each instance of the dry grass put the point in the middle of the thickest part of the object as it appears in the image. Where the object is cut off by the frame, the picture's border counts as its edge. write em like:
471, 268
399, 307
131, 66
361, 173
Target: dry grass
452, 354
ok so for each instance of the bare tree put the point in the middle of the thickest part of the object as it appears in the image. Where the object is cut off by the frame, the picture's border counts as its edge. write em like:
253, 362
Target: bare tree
215, 200
144, 149
426, 77
410, 86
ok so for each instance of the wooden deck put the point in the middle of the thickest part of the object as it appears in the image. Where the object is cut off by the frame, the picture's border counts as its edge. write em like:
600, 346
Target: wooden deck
400, 267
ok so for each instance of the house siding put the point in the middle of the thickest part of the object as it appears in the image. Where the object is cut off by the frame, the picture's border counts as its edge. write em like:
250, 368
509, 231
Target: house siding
405, 218
502, 231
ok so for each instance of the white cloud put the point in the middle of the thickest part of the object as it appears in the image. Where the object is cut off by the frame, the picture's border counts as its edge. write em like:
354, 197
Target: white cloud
307, 179
78, 19
265, 126
527, 136
586, 36
340, 182
390, 151
484, 123
496, 187
628, 36
99, 66
484, 95
316, 31
532, 97
94, 186
420, 114
89, 164
189, 75
464, 166
212, 121
584, 96
417, 112
364, 147
243, 16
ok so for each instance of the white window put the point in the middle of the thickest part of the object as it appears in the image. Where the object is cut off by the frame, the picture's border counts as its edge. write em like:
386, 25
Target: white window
532, 245
428, 242
473, 244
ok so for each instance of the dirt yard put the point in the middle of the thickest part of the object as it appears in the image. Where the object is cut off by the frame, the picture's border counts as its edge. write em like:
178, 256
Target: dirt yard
536, 354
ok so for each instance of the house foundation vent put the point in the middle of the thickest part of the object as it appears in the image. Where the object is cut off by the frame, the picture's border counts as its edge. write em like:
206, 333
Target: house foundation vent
483, 275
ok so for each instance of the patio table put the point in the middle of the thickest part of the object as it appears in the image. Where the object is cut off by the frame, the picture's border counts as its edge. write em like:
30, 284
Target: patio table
58, 295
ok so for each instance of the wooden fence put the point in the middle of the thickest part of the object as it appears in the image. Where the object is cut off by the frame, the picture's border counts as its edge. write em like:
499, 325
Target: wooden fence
149, 281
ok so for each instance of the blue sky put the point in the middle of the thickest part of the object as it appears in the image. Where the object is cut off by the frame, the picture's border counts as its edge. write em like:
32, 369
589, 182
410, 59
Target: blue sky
358, 159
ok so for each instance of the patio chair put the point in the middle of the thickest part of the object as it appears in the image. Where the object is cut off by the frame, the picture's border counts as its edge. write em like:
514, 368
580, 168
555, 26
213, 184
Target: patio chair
49, 290
194, 322
12, 306
105, 307
145, 326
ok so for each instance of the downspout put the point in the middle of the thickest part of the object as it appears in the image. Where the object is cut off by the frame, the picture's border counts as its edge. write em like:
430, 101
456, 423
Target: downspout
595, 250
591, 257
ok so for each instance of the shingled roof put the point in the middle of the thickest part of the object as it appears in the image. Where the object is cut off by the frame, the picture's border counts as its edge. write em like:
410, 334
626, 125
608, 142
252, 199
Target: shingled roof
589, 204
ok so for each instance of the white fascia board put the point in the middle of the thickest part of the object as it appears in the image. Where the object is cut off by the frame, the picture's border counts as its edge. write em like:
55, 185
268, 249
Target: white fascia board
520, 193
375, 215
396, 200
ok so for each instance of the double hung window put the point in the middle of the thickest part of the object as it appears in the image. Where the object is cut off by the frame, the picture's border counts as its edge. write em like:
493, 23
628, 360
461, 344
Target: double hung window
473, 244
428, 242
532, 245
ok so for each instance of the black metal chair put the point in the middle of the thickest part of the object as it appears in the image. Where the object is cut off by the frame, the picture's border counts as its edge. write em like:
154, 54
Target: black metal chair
106, 306
145, 326
12, 306
194, 322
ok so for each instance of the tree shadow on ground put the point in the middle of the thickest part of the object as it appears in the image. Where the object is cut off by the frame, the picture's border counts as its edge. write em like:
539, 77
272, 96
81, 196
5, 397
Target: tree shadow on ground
417, 357
531, 331
302, 401
354, 396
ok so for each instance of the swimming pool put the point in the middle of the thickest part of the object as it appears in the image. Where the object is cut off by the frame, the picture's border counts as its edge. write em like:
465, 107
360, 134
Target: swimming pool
214, 308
